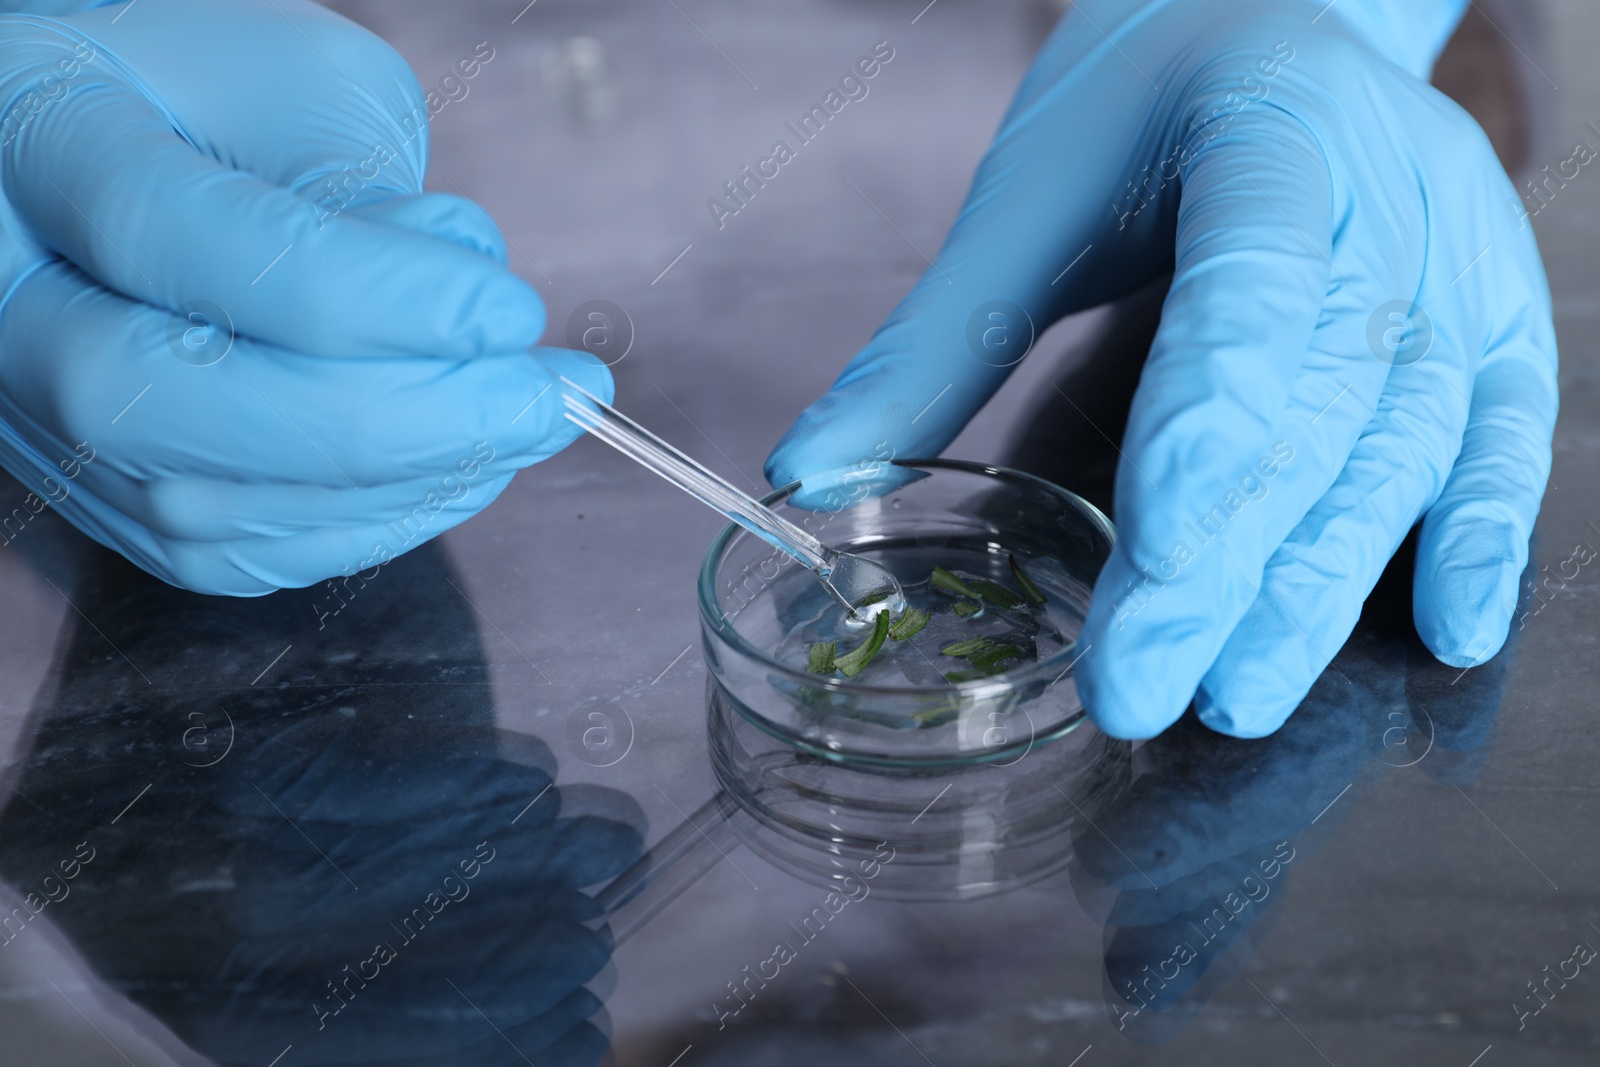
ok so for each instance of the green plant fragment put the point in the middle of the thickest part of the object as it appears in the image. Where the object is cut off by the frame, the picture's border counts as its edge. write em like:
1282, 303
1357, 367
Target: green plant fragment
967, 608
931, 717
821, 657
1034, 594
996, 594
973, 675
909, 624
993, 657
951, 584
854, 662
962, 649
872, 598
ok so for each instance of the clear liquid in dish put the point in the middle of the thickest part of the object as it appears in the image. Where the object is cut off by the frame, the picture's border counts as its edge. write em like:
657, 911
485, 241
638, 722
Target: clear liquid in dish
794, 613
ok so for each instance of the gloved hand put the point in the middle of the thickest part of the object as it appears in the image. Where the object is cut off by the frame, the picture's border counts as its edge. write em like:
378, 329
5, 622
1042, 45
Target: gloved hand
211, 362
1357, 337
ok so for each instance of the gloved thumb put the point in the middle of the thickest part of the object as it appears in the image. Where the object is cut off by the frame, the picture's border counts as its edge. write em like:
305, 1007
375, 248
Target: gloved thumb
442, 215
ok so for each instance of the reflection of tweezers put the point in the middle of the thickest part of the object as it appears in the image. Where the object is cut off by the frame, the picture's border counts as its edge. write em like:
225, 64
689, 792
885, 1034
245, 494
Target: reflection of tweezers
678, 861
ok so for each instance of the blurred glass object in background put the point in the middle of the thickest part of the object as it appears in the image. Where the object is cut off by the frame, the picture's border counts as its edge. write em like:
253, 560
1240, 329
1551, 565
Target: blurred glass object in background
576, 74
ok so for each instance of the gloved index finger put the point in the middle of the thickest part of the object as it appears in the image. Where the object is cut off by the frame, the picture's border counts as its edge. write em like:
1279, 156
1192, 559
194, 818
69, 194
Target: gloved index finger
1033, 243
101, 178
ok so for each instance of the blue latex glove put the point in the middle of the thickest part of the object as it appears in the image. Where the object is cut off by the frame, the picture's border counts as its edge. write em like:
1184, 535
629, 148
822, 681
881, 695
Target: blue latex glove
359, 386
1286, 162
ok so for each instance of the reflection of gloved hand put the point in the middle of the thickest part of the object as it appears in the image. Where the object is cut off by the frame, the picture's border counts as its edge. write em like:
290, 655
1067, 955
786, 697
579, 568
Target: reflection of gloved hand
167, 170
1287, 431
375, 735
433, 882
1200, 849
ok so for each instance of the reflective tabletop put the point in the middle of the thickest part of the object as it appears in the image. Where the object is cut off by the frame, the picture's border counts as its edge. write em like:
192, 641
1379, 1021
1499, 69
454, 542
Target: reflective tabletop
474, 807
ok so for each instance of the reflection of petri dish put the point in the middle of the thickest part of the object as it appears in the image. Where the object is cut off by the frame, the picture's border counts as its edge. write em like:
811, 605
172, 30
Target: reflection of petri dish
910, 516
953, 832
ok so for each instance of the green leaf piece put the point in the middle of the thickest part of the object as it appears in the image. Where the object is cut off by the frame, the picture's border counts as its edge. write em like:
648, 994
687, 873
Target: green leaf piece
973, 675
967, 608
962, 649
1034, 594
979, 589
932, 717
872, 598
993, 657
821, 657
854, 662
996, 594
951, 584
909, 624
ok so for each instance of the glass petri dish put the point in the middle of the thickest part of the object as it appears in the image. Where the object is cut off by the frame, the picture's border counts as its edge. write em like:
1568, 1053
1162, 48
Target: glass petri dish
911, 516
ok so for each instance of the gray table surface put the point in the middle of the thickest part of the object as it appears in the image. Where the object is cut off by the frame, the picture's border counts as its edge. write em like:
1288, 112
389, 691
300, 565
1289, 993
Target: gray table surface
1430, 885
